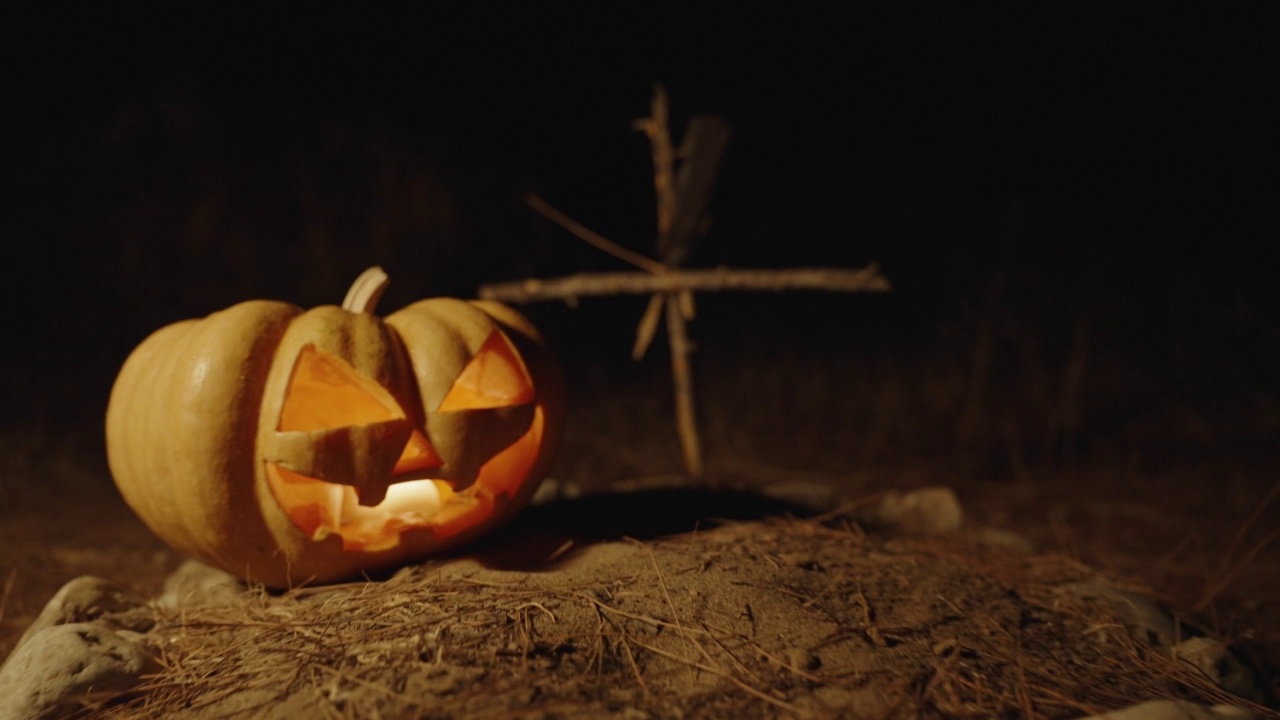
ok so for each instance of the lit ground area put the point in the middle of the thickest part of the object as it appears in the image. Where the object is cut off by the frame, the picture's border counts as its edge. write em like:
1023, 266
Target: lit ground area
668, 599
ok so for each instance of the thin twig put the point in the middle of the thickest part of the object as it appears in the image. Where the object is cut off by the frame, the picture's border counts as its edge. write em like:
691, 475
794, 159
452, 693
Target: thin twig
866, 279
664, 158
662, 583
646, 619
738, 663
1249, 522
686, 423
538, 606
648, 326
727, 676
592, 237
631, 662
873, 632
1230, 575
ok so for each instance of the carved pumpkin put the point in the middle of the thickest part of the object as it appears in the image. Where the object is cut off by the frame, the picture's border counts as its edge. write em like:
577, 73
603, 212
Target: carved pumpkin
288, 446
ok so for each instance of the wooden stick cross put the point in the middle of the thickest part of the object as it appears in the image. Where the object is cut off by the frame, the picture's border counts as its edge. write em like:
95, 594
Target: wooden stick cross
683, 195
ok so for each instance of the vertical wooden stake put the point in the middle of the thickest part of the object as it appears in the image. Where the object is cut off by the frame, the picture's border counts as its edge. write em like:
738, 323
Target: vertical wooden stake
686, 424
682, 201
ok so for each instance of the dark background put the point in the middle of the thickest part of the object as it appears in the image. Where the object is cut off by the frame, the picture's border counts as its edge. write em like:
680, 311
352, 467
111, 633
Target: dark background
1048, 189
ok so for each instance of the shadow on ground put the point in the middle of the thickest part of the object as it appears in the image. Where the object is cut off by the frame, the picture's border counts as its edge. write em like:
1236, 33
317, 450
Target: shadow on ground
545, 536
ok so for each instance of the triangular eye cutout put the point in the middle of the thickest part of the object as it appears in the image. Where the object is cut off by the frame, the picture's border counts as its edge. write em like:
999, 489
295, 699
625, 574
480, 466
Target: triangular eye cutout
494, 378
326, 392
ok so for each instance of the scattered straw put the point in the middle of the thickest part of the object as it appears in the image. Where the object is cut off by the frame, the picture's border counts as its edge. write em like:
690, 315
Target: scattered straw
839, 622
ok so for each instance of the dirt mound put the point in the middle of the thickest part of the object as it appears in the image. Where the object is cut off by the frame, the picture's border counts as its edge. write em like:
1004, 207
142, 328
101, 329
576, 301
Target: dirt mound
760, 616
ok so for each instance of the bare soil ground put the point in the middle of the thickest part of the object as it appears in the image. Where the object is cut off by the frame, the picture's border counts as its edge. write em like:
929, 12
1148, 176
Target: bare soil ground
683, 603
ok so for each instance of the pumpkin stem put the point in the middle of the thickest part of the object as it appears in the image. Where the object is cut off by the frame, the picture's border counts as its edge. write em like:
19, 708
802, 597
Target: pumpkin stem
365, 291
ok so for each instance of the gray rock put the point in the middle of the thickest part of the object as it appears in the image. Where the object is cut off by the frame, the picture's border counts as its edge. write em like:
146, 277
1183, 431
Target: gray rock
928, 511
813, 496
1007, 539
87, 599
1213, 658
1149, 620
1175, 710
1160, 629
554, 489
194, 582
61, 667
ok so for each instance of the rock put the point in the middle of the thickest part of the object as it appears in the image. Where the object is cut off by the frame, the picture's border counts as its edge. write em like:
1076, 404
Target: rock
1160, 629
193, 581
60, 666
553, 489
929, 511
89, 598
1006, 539
1175, 710
1155, 626
1213, 658
812, 496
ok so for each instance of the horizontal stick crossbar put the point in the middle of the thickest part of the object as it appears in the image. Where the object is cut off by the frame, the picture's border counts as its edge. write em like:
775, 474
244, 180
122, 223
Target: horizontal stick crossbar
867, 279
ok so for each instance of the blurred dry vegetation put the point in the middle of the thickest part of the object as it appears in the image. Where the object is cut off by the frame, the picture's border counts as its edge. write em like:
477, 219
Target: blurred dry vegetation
1054, 337
1064, 206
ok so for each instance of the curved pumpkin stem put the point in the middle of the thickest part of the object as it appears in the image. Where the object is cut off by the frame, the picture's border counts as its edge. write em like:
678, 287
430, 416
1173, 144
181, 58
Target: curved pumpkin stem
366, 291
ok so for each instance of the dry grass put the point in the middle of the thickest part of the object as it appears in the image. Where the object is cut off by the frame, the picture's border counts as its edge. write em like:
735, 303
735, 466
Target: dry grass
763, 618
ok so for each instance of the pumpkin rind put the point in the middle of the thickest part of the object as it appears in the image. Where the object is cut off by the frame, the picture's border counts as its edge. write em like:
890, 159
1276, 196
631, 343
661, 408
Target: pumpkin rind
183, 413
441, 336
193, 426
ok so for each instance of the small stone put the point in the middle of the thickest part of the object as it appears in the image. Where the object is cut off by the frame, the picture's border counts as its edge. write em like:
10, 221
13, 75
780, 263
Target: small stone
1213, 658
812, 496
1007, 539
929, 511
56, 668
555, 489
1174, 710
194, 582
1155, 626
87, 599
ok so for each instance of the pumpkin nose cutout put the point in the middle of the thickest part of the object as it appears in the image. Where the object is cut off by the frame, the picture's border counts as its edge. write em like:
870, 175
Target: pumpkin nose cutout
494, 378
325, 392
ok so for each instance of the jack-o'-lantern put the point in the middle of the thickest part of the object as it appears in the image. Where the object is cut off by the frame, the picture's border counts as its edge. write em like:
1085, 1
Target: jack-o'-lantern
290, 446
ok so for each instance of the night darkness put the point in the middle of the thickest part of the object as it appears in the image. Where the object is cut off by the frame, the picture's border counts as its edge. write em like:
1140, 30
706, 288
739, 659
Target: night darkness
1077, 363
1020, 172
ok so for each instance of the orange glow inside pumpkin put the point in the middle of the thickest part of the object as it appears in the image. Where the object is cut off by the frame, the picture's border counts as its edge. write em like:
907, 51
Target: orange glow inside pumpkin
325, 391
493, 378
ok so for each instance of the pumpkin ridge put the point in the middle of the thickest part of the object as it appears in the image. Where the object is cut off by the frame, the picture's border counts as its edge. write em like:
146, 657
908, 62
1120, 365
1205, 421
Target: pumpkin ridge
196, 427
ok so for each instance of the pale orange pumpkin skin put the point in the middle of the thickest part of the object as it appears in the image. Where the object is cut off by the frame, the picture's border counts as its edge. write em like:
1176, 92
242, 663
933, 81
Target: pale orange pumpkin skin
197, 403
